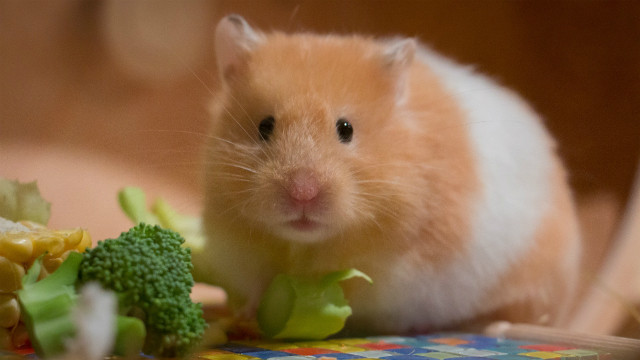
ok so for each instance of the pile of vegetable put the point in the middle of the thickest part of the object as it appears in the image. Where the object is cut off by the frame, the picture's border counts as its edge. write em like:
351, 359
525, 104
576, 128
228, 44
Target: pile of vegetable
150, 273
55, 289
19, 249
43, 273
23, 239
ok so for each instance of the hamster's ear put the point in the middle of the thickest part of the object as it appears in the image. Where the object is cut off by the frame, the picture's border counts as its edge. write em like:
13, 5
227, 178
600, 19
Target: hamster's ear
234, 42
398, 57
399, 54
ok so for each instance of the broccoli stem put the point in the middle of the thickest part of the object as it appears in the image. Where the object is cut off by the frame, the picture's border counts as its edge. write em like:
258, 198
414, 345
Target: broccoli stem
130, 336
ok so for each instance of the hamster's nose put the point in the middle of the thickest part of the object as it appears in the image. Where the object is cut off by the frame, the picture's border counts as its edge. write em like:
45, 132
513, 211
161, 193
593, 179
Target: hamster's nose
303, 186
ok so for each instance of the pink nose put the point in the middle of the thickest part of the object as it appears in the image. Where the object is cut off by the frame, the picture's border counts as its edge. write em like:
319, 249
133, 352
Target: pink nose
303, 186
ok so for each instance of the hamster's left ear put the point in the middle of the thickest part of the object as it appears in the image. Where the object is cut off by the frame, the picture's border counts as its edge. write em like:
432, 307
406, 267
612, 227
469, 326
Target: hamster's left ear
234, 42
398, 57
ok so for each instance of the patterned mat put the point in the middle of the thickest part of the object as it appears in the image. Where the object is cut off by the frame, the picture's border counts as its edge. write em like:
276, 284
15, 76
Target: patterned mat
442, 346
431, 347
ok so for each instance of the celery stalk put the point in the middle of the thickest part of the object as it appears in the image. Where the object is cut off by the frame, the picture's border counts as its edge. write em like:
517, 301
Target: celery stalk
296, 307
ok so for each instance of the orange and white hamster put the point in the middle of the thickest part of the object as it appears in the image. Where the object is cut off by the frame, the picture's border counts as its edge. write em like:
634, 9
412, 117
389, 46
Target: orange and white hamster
329, 152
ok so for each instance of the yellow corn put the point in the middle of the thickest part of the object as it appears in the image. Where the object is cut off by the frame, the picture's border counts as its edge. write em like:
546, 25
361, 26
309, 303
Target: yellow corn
16, 246
18, 251
10, 275
9, 311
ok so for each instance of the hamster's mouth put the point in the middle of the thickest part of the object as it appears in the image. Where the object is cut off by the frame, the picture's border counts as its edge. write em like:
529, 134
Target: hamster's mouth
304, 224
303, 229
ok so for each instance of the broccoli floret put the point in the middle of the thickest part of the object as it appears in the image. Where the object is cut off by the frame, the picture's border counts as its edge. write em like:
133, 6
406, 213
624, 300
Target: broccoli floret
46, 309
150, 272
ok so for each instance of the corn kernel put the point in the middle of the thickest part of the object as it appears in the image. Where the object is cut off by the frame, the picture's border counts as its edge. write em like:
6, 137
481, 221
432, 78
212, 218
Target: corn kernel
51, 263
16, 246
12, 274
47, 241
9, 311
72, 237
86, 241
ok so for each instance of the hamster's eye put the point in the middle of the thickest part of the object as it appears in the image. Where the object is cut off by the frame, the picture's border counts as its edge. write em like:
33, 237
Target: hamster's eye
266, 127
344, 130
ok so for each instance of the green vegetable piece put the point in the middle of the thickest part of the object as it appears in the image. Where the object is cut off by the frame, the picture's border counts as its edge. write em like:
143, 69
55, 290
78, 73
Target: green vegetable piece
46, 306
190, 227
33, 273
304, 308
46, 310
133, 202
130, 336
22, 201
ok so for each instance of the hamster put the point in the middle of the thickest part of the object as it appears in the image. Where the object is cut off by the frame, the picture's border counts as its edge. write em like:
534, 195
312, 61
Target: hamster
329, 152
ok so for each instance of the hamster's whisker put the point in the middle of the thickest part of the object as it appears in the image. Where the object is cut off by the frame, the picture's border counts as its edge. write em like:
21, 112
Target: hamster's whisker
391, 182
228, 142
254, 139
226, 160
241, 204
195, 75
232, 177
369, 212
235, 100
232, 116
391, 188
238, 166
375, 222
388, 196
173, 132
225, 153
238, 192
375, 206
398, 164
228, 157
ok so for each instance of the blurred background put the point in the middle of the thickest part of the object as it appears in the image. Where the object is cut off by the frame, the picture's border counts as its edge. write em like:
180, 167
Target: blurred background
97, 95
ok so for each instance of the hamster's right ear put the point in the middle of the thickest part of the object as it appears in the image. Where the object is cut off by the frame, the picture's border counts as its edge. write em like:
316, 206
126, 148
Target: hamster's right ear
234, 42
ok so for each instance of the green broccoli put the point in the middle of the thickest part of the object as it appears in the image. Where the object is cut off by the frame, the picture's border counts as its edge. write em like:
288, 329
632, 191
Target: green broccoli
47, 311
150, 271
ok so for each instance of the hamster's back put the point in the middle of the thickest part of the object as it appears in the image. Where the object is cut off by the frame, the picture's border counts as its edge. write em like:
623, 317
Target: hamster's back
524, 234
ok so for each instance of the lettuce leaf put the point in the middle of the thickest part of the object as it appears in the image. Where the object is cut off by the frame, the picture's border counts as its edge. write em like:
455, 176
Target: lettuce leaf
22, 201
